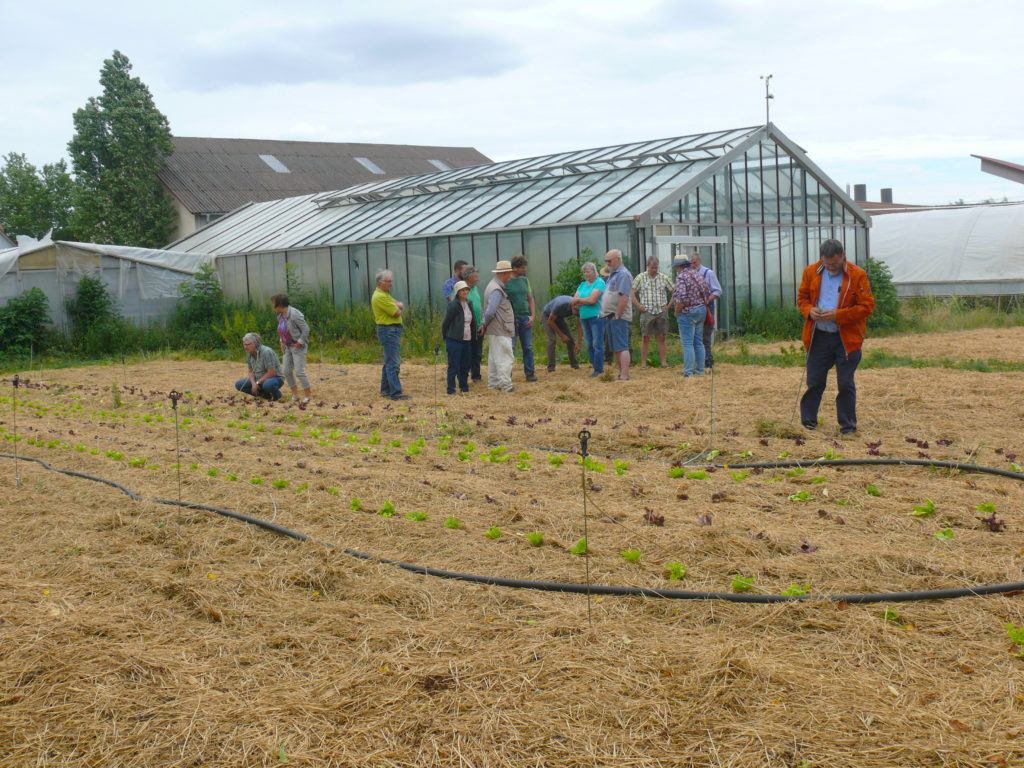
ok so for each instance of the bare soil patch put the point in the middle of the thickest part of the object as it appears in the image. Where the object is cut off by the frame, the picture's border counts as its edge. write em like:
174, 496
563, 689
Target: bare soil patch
136, 633
979, 344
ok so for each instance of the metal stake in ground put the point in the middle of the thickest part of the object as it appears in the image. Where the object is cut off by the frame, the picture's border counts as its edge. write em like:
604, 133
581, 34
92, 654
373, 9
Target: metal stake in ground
175, 396
437, 350
584, 438
14, 425
124, 372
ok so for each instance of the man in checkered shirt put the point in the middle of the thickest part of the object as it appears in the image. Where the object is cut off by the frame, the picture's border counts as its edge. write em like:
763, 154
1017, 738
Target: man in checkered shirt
652, 295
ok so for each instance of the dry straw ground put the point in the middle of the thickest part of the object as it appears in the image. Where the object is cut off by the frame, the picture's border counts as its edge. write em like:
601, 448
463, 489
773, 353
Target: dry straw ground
135, 634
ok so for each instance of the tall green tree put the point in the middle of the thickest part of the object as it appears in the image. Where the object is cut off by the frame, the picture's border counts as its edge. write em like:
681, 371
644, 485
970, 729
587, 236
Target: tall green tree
34, 202
120, 144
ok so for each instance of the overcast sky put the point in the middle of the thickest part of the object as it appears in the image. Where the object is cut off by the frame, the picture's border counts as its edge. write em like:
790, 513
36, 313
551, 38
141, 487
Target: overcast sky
889, 93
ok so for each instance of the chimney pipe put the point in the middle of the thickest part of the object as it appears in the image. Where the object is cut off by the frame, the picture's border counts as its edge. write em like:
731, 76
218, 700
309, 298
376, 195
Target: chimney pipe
886, 194
860, 193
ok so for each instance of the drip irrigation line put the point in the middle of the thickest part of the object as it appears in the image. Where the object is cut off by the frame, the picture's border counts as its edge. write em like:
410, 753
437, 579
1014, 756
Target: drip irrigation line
1010, 588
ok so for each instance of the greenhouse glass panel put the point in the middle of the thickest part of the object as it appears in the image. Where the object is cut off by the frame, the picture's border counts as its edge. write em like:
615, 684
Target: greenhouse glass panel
377, 260
510, 244
593, 236
755, 193
340, 282
361, 279
799, 196
790, 275
813, 192
309, 267
849, 240
535, 249
785, 189
462, 248
439, 268
772, 265
266, 276
800, 250
395, 254
563, 247
738, 173
770, 180
757, 266
538, 210
419, 277
722, 211
233, 277
621, 236
862, 246
706, 201
688, 209
672, 213
741, 266
485, 251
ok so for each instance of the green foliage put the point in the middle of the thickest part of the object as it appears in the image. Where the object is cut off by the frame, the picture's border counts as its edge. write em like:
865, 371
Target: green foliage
795, 589
199, 311
580, 547
494, 532
536, 538
23, 322
887, 304
387, 509
1016, 634
676, 571
944, 534
891, 614
419, 517
774, 322
120, 144
924, 510
452, 522
570, 275
96, 325
742, 583
33, 203
873, 490
631, 555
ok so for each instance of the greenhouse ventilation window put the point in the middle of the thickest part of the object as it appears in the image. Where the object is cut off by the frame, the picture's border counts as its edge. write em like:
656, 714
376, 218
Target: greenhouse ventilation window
369, 165
441, 165
274, 163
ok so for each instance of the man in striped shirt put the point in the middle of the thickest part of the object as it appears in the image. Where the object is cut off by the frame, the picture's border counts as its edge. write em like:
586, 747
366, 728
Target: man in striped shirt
652, 295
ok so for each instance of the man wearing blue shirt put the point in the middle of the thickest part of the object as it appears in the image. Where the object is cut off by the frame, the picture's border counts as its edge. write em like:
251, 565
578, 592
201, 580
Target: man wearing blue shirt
716, 291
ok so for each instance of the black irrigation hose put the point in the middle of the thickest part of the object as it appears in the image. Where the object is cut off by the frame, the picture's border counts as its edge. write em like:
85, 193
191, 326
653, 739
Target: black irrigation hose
595, 589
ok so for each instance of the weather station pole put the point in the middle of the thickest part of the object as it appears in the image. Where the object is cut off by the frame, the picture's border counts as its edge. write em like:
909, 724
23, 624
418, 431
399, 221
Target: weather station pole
767, 98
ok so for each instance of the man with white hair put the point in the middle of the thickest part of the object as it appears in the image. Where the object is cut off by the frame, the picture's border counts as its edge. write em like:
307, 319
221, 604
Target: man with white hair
387, 314
263, 379
616, 307
499, 324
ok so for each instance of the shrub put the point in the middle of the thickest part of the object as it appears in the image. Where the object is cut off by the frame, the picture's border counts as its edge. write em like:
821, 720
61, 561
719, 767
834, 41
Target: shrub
772, 322
24, 321
91, 309
887, 304
200, 310
570, 275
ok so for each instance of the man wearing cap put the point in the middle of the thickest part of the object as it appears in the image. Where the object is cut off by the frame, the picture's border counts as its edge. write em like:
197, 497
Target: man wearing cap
615, 306
690, 298
652, 295
835, 299
555, 313
499, 324
521, 295
716, 291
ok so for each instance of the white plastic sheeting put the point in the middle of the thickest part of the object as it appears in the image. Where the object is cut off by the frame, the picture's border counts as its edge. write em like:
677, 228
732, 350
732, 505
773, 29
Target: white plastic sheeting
973, 251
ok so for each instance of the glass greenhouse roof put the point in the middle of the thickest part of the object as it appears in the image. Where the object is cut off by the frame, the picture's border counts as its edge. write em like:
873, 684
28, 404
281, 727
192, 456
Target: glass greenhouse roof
593, 185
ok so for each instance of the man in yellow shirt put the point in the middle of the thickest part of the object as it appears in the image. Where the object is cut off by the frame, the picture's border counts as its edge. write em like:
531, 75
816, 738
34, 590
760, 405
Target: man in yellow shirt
387, 314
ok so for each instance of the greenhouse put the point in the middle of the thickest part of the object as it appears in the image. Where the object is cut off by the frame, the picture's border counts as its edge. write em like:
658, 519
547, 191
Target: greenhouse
748, 199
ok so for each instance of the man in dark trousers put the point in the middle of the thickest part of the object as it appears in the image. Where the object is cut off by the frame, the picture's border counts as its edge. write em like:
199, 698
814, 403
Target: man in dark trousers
835, 299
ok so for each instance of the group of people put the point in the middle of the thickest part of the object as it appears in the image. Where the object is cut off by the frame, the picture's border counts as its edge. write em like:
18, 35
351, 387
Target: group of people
834, 297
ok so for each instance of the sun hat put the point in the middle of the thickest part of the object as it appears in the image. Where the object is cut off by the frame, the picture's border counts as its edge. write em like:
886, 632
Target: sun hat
681, 261
605, 271
459, 286
503, 266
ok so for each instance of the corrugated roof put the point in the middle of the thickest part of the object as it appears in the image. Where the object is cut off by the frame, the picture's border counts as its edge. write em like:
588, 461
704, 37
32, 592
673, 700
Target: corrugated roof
214, 176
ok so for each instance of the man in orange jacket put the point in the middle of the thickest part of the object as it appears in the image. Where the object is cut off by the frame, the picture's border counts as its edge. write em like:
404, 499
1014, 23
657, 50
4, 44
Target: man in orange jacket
835, 299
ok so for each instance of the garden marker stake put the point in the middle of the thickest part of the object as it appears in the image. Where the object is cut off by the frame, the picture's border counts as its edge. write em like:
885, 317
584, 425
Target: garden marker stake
124, 372
175, 396
14, 419
584, 438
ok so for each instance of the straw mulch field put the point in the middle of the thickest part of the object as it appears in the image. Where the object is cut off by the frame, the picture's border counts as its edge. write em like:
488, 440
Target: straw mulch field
137, 634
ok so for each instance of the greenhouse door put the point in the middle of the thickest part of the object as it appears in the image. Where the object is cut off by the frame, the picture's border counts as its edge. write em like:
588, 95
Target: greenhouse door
712, 252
